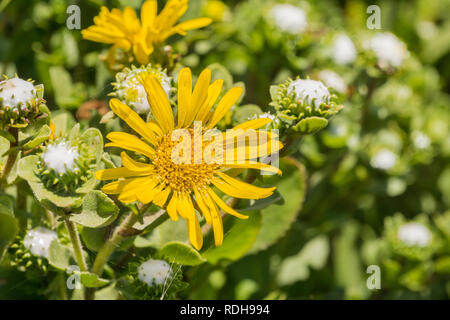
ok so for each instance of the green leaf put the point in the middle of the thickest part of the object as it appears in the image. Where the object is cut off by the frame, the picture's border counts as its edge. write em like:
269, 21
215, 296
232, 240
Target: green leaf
67, 94
348, 266
314, 254
97, 210
310, 125
181, 253
63, 121
41, 136
275, 198
277, 219
218, 71
443, 265
59, 255
237, 240
8, 136
245, 112
91, 280
9, 227
26, 170
93, 238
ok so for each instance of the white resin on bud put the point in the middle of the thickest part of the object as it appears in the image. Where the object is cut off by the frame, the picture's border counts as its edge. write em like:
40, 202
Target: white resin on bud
154, 272
16, 91
414, 234
38, 241
310, 92
60, 157
289, 18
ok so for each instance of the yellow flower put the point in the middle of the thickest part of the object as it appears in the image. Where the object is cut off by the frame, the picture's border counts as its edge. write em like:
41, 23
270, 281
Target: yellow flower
124, 29
182, 187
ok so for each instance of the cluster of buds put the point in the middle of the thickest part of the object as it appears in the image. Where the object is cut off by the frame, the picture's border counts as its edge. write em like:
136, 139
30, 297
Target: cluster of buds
303, 106
20, 102
414, 240
153, 279
65, 165
32, 251
130, 90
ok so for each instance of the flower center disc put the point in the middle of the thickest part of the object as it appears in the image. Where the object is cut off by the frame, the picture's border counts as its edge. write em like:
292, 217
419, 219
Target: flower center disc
176, 170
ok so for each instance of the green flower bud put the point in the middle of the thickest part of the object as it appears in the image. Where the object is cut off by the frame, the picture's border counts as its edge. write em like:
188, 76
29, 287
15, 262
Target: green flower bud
65, 165
303, 106
152, 279
20, 102
129, 88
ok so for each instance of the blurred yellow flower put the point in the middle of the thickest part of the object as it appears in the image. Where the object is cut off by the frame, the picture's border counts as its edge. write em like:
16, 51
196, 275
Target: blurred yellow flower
183, 185
124, 30
215, 9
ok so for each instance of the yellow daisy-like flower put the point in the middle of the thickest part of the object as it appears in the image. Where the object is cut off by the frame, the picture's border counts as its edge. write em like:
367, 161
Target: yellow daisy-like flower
124, 29
182, 187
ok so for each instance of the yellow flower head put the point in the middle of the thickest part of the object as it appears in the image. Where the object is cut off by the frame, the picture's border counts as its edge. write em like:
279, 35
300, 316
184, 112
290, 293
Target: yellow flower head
124, 30
183, 186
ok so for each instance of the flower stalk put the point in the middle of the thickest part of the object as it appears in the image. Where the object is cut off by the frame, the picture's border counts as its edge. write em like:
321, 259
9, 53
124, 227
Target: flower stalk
12, 156
76, 244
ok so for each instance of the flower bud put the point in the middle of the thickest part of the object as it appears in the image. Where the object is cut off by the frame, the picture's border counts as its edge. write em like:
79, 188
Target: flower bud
303, 106
20, 102
130, 90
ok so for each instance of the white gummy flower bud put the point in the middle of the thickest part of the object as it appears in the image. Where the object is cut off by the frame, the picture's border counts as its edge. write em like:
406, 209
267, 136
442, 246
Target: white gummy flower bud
414, 234
344, 51
154, 272
60, 157
384, 159
310, 92
421, 141
389, 50
15, 92
130, 90
38, 241
289, 18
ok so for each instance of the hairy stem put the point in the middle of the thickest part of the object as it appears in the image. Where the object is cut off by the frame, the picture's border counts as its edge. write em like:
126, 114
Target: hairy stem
12, 156
112, 243
76, 244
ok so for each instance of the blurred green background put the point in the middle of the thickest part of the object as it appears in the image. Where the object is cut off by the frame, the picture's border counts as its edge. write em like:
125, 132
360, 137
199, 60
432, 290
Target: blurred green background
352, 209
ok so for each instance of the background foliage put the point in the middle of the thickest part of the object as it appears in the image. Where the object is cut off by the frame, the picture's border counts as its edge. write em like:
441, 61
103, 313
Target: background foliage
316, 248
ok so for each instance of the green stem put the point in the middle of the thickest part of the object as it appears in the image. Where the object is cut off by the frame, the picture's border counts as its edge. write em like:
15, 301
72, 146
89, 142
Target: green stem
76, 243
112, 243
12, 156
62, 287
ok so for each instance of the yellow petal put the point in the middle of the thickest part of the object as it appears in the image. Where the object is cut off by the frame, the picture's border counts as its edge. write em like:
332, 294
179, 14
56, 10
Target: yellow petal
224, 206
194, 24
132, 119
184, 95
136, 186
172, 11
239, 189
228, 100
161, 198
216, 219
213, 93
195, 233
117, 173
159, 103
203, 207
129, 142
199, 95
148, 12
253, 165
147, 195
172, 207
253, 124
115, 187
136, 166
